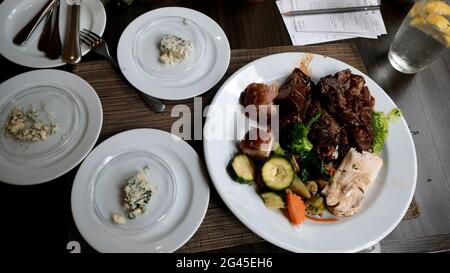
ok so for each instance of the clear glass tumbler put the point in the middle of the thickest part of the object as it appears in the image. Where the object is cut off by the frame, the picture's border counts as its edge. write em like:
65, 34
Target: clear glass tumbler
423, 38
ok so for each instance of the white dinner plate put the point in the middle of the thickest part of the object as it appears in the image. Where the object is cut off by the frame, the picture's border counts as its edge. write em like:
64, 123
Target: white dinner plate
58, 96
177, 206
386, 200
138, 53
14, 15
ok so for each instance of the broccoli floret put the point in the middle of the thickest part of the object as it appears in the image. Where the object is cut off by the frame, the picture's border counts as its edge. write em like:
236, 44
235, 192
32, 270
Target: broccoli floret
298, 136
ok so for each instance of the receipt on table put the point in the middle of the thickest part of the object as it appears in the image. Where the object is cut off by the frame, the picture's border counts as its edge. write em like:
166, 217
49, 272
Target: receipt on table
353, 22
313, 29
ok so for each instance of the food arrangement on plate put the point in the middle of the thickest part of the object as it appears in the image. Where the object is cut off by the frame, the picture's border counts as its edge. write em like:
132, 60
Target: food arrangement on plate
329, 148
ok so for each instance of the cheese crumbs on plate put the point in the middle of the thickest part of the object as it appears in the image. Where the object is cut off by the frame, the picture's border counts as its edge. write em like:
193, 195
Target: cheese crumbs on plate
173, 49
137, 194
26, 126
118, 219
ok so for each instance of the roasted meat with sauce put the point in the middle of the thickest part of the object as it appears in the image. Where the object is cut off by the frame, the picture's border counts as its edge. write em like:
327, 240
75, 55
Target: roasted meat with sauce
294, 97
257, 143
356, 172
329, 138
348, 100
261, 96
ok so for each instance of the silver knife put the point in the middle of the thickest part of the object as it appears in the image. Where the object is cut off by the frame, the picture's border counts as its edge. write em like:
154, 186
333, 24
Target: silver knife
28, 29
71, 51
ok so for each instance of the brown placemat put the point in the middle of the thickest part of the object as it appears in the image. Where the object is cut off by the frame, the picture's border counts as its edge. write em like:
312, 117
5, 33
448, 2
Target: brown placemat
123, 109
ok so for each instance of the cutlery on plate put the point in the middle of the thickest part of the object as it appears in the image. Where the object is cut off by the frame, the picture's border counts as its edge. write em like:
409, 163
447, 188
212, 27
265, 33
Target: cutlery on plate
99, 46
50, 41
71, 50
46, 32
25, 33
328, 11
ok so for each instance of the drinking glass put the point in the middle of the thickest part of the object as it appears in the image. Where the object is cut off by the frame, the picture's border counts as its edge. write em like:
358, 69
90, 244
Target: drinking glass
423, 38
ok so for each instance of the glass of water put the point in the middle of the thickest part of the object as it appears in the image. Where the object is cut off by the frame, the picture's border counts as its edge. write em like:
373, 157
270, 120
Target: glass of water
423, 37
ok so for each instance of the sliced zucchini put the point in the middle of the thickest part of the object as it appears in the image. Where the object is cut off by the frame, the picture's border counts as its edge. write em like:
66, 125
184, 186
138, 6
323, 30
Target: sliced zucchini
277, 173
300, 188
241, 169
273, 200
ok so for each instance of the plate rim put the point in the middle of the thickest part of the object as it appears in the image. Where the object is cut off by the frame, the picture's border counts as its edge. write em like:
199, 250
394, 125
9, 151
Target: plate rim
247, 222
173, 96
87, 146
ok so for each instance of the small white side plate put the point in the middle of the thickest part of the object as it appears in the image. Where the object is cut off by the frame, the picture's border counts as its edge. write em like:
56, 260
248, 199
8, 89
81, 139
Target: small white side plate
14, 15
61, 97
138, 53
176, 209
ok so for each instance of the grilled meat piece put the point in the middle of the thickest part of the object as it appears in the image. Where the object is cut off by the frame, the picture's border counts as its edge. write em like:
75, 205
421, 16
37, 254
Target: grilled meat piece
257, 143
326, 134
349, 101
356, 172
261, 96
294, 97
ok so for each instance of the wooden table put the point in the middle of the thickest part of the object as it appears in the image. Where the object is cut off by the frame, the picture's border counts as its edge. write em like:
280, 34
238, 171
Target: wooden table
35, 218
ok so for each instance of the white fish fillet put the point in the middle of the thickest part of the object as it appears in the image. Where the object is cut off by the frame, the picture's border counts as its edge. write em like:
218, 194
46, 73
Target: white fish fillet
355, 173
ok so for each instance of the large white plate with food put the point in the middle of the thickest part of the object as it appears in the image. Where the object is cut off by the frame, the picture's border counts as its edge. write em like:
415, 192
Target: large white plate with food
385, 200
56, 125
174, 187
16, 14
196, 72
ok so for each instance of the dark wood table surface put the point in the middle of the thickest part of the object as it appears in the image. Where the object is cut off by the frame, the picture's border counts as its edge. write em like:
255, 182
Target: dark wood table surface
35, 218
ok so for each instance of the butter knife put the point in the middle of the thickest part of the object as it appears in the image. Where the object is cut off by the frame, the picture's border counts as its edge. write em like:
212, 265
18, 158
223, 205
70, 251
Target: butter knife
28, 29
71, 50
50, 42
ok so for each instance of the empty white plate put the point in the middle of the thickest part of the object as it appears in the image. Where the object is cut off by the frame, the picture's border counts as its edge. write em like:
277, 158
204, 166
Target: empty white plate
138, 53
16, 14
177, 206
58, 96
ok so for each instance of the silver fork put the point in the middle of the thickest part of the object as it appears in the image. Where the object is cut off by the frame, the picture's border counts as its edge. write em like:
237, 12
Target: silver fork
99, 46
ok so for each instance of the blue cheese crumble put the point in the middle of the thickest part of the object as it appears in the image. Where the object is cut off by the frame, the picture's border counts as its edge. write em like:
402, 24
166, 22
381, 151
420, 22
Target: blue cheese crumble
173, 49
26, 126
137, 194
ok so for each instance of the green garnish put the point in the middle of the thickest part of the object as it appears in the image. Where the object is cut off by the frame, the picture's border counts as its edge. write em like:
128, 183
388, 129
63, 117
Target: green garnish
381, 127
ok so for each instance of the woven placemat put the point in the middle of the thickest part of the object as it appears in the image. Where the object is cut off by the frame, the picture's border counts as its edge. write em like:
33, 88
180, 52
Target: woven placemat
123, 109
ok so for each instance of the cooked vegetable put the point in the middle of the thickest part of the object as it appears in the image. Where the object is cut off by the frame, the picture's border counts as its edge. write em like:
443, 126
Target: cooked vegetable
315, 206
273, 200
296, 208
278, 150
312, 187
295, 163
300, 188
277, 173
241, 169
312, 167
298, 136
381, 127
